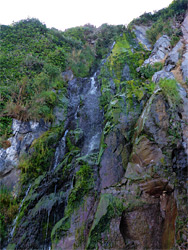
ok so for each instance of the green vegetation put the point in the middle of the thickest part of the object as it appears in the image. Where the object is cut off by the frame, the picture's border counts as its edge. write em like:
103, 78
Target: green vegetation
108, 208
84, 182
42, 155
181, 228
8, 210
170, 90
148, 71
32, 60
162, 21
121, 95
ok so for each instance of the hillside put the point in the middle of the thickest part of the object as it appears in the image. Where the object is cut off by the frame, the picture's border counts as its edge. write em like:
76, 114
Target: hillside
94, 134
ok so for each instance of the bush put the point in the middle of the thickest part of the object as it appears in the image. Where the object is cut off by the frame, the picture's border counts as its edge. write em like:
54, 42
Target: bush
40, 160
8, 209
170, 90
149, 70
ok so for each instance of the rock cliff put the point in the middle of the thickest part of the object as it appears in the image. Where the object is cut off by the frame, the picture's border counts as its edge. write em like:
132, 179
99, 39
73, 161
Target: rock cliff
111, 171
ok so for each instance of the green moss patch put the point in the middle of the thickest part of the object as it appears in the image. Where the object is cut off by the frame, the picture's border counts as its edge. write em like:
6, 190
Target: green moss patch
109, 207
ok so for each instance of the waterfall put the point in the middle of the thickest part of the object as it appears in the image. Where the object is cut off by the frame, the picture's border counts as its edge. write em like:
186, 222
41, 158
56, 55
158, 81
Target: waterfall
111, 48
93, 88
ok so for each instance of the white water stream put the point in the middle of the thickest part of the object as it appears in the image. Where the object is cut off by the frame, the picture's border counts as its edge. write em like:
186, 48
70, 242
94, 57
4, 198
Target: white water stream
93, 88
15, 220
60, 149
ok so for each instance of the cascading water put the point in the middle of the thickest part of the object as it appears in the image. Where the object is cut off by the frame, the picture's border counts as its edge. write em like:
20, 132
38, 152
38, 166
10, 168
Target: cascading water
48, 246
92, 125
83, 115
15, 220
93, 88
60, 150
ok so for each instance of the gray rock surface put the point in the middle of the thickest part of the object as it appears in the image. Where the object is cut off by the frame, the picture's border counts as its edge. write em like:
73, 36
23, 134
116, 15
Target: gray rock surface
160, 50
161, 75
173, 57
140, 32
184, 66
60, 110
67, 75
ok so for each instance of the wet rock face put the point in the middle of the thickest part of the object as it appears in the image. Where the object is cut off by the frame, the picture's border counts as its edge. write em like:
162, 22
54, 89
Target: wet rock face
112, 169
80, 224
43, 207
24, 134
180, 162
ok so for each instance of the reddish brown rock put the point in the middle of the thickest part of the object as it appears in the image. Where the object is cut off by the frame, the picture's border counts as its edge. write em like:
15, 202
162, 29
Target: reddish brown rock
155, 186
142, 228
146, 152
169, 207
151, 226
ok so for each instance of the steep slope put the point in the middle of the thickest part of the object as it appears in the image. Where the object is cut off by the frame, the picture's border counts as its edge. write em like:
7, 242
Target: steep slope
108, 168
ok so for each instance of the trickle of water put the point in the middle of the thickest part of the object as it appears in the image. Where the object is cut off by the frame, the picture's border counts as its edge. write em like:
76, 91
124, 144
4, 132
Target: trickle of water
111, 48
47, 225
94, 143
93, 88
15, 220
55, 189
76, 113
60, 150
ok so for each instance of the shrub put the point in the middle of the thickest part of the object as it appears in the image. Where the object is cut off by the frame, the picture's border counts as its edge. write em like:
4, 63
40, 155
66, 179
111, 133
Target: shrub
149, 70
8, 209
170, 90
41, 157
